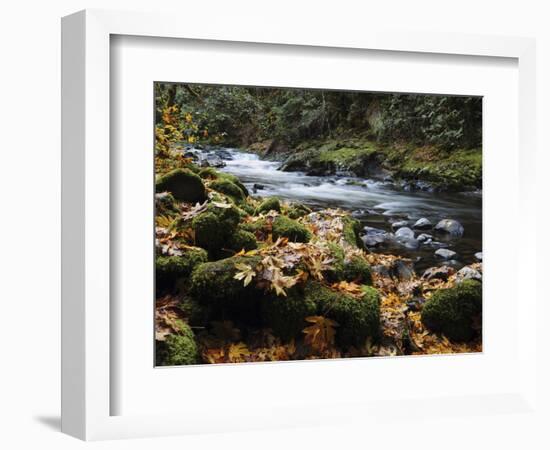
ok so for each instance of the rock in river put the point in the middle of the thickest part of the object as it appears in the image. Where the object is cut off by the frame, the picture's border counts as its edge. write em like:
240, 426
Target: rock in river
467, 273
404, 233
424, 237
399, 224
375, 236
422, 224
451, 227
445, 253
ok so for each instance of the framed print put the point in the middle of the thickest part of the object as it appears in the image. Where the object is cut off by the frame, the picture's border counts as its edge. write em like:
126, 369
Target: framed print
293, 240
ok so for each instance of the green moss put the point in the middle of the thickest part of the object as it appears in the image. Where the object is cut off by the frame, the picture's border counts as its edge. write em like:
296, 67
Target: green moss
298, 210
249, 209
358, 270
336, 272
269, 204
358, 319
196, 313
352, 228
242, 239
228, 188
214, 227
452, 311
169, 268
286, 315
165, 204
184, 185
209, 173
214, 282
294, 231
178, 349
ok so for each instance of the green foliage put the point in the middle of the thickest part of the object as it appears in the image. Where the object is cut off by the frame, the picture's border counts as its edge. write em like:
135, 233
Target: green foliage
286, 315
291, 229
269, 204
358, 318
177, 349
183, 184
452, 311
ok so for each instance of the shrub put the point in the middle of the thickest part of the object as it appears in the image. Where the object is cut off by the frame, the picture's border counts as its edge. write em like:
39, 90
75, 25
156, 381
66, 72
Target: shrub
451, 311
184, 185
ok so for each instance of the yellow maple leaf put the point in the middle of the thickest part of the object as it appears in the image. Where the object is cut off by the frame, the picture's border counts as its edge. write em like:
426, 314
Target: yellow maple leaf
246, 273
320, 335
238, 352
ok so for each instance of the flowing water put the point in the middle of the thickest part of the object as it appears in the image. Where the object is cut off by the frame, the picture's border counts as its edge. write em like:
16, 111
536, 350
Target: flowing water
375, 203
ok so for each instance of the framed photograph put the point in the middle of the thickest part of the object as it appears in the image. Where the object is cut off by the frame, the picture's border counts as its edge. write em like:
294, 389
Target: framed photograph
291, 224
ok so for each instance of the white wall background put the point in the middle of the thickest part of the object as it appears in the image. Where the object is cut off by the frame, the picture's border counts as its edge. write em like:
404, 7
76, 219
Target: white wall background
30, 190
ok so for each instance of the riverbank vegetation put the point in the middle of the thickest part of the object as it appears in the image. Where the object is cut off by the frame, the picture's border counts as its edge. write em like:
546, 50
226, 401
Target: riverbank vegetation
241, 278
420, 141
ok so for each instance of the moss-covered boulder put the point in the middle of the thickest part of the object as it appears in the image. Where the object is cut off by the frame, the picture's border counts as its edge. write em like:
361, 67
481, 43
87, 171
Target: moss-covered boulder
358, 318
210, 173
213, 281
352, 228
298, 210
295, 232
452, 311
215, 227
286, 315
184, 185
358, 270
169, 268
269, 204
228, 188
165, 204
242, 239
177, 349
355, 269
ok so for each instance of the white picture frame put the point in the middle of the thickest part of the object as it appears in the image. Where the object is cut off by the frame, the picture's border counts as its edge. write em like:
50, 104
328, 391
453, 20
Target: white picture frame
87, 386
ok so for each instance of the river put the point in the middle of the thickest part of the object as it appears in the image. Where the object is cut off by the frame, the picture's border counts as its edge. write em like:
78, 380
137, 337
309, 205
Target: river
375, 203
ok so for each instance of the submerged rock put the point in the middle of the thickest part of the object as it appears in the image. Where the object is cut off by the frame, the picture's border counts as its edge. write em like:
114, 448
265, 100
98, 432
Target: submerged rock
422, 224
445, 253
451, 227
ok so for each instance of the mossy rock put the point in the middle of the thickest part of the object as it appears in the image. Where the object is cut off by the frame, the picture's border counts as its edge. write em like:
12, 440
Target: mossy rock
294, 231
209, 173
243, 240
358, 318
196, 313
269, 204
169, 268
165, 204
177, 349
358, 270
452, 311
214, 228
184, 185
228, 188
214, 281
213, 174
298, 210
352, 228
249, 209
286, 315
355, 269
